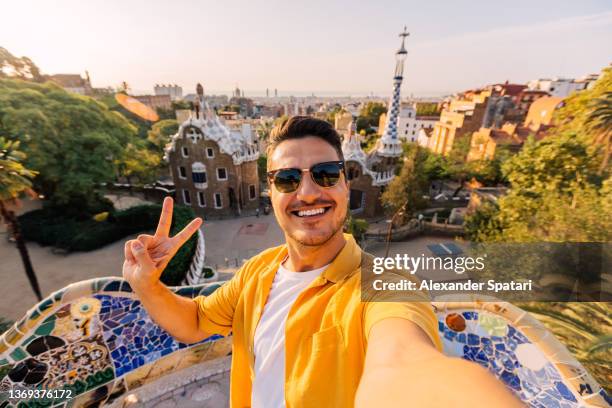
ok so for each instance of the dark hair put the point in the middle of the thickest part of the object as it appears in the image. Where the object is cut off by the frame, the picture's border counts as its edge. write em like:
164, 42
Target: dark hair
298, 127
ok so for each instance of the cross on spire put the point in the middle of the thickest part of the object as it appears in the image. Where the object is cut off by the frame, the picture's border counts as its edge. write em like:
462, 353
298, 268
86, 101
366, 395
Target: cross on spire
403, 35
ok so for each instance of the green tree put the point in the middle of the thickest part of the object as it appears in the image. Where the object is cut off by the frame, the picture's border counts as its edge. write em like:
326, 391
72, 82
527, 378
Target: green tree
586, 115
161, 131
407, 189
15, 181
600, 125
356, 227
427, 109
139, 163
262, 168
556, 195
263, 129
369, 116
74, 142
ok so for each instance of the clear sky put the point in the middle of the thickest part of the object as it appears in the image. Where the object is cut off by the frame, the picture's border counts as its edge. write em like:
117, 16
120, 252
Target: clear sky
325, 47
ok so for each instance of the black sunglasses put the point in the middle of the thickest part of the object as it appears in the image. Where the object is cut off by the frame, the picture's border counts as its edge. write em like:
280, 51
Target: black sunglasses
324, 174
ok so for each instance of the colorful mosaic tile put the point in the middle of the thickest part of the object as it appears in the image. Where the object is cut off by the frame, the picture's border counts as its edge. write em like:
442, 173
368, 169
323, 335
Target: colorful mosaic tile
87, 338
95, 338
488, 334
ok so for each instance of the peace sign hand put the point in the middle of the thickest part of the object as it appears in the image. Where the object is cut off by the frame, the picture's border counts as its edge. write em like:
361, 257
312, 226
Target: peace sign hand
147, 256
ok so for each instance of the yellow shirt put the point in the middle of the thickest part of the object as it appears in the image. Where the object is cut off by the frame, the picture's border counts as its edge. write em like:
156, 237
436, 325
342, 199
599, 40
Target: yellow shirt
326, 331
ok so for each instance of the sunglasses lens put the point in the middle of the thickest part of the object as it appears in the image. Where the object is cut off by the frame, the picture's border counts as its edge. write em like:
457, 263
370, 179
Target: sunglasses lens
287, 180
326, 174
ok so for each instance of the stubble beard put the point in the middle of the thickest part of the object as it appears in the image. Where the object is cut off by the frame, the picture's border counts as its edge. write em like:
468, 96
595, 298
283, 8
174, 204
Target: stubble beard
316, 242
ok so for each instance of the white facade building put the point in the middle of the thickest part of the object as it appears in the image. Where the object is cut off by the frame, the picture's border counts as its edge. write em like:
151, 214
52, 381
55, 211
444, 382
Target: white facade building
174, 91
560, 87
409, 124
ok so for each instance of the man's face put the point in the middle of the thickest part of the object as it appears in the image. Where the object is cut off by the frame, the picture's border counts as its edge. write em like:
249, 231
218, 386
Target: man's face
317, 229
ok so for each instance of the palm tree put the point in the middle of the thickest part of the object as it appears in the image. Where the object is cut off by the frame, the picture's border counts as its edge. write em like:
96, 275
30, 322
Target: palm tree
15, 181
599, 121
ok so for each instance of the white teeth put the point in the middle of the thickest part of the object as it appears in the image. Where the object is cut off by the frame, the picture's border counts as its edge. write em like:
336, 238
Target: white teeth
308, 213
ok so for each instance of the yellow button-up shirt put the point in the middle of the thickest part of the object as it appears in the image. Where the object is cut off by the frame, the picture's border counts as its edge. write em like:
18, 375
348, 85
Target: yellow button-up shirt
326, 331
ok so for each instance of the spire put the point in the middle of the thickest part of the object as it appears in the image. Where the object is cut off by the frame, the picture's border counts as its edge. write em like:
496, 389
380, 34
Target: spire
389, 144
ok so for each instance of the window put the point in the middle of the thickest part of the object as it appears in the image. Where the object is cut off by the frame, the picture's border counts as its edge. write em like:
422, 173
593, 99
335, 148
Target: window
221, 173
218, 201
182, 172
186, 197
252, 194
201, 199
198, 175
405, 132
210, 153
185, 152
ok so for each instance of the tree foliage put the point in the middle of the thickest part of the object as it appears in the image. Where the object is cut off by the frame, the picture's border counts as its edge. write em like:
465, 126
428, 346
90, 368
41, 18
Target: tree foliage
405, 191
557, 194
586, 114
369, 116
73, 141
161, 131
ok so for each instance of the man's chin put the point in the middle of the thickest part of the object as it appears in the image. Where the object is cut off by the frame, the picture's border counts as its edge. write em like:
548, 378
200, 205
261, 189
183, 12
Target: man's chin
312, 238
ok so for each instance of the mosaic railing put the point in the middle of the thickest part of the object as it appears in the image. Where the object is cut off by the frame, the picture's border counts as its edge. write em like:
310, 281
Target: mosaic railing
95, 340
195, 274
520, 351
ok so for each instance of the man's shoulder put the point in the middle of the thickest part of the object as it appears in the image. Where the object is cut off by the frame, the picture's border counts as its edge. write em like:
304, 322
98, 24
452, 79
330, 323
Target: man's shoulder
262, 259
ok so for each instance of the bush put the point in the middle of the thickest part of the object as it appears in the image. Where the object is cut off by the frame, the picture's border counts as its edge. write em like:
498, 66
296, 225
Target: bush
51, 226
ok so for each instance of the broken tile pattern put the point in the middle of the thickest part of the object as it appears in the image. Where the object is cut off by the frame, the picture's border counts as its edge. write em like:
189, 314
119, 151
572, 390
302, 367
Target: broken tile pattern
467, 334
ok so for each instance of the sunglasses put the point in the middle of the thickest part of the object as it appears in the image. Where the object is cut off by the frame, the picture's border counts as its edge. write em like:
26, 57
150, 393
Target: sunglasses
324, 174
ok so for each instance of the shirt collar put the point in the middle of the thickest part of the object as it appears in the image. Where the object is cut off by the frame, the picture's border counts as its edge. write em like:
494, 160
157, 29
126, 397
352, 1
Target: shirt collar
346, 262
343, 265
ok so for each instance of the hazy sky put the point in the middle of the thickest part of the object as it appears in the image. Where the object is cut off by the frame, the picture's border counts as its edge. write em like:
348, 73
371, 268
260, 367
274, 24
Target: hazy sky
324, 47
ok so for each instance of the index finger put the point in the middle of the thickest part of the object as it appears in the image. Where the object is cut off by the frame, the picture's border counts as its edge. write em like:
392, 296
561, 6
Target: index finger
187, 232
165, 219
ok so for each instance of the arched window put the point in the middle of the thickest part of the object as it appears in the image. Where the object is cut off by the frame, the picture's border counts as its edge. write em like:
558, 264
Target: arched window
198, 175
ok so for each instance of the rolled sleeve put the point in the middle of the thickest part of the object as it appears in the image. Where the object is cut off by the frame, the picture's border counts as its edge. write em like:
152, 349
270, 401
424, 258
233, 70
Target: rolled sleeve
216, 311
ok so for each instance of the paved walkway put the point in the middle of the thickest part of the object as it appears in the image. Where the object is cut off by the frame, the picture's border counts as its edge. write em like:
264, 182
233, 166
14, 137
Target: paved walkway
228, 244
231, 239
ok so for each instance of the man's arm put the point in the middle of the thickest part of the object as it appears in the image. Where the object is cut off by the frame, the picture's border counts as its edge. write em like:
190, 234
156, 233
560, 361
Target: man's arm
403, 368
145, 260
176, 314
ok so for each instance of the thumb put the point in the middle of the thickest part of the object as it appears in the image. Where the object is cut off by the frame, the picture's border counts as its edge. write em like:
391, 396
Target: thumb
142, 256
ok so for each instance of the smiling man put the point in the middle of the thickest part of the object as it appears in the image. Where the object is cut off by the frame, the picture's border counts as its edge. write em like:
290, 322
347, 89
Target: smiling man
302, 336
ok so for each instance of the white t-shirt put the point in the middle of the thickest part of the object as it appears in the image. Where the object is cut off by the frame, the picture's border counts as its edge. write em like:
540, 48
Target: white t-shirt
269, 383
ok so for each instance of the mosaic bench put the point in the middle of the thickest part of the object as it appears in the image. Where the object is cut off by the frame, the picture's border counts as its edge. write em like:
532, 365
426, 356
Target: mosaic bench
94, 340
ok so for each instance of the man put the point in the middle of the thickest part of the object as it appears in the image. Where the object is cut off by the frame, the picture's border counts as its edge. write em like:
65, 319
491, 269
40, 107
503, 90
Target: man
302, 337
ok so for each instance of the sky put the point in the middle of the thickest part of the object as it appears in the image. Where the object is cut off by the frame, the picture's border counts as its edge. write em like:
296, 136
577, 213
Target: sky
321, 47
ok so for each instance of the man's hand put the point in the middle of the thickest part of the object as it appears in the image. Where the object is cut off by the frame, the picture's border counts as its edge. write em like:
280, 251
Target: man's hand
147, 256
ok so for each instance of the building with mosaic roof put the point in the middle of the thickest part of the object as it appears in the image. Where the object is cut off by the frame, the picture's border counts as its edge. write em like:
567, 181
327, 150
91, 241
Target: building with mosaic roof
369, 173
214, 167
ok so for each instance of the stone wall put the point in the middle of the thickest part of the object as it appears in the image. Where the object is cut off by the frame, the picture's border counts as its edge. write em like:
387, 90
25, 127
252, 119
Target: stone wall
205, 385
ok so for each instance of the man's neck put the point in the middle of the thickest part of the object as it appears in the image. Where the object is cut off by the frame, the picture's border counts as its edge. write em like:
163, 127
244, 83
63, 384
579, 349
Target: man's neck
302, 258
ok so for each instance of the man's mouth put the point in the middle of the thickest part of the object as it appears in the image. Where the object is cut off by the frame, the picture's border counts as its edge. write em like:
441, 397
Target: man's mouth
310, 212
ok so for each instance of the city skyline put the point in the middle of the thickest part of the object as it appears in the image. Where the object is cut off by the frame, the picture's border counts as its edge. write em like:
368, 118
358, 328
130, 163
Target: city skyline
320, 48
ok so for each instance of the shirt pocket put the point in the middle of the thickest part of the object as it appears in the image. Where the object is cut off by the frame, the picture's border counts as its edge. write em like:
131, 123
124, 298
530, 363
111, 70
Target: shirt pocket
328, 339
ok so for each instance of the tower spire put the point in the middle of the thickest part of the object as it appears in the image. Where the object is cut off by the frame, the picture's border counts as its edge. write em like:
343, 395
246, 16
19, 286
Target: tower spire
389, 144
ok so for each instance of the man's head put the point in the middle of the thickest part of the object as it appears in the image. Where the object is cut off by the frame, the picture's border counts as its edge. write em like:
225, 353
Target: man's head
302, 142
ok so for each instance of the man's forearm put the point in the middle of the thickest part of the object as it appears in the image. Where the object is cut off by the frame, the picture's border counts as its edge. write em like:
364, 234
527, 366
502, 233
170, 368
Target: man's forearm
437, 382
175, 314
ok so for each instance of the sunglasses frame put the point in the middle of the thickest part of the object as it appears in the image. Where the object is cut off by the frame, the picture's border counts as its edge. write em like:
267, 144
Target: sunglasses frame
272, 173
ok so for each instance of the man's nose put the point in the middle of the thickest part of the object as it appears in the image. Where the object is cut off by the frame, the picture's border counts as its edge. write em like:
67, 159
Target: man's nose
308, 191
